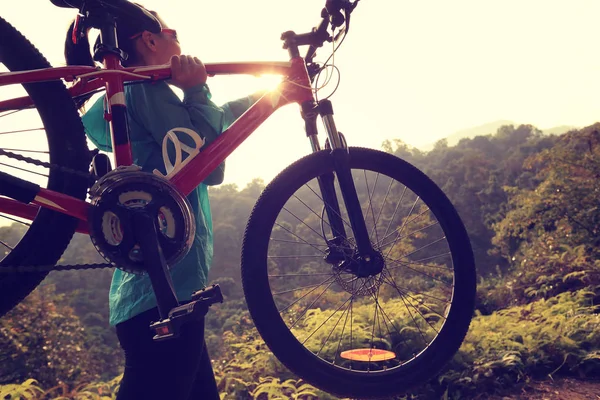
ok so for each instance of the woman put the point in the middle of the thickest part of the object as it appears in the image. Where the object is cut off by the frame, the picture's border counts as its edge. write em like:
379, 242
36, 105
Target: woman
181, 368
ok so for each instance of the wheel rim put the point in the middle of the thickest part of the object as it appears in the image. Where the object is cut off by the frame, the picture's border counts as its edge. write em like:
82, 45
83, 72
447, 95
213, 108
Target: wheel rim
365, 324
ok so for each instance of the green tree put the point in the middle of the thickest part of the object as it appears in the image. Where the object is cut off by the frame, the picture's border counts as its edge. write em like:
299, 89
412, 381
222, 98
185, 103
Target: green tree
42, 338
551, 233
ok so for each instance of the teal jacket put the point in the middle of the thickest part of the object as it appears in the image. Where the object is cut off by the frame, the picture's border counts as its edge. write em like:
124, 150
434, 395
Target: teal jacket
153, 109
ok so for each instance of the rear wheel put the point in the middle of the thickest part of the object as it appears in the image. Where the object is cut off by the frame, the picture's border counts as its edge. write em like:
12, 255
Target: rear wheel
50, 132
349, 334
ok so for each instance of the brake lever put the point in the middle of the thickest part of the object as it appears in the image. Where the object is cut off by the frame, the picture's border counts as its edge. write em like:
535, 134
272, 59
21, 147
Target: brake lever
341, 32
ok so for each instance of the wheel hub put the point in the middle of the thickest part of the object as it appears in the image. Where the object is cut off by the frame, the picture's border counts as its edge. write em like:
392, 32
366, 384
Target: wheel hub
358, 275
365, 266
120, 192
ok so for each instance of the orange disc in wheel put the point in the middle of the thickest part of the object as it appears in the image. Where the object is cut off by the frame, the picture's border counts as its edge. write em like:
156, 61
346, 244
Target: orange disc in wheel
368, 355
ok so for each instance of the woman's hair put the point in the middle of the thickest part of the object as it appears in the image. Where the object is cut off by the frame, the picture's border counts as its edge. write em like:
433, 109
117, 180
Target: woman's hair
80, 53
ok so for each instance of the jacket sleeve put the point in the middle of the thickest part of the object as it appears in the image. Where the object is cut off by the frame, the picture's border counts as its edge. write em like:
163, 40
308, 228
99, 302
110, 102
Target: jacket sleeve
96, 127
234, 109
158, 110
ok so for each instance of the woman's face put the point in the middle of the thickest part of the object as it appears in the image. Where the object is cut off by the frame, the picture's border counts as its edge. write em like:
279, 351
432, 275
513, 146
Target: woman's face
158, 48
167, 44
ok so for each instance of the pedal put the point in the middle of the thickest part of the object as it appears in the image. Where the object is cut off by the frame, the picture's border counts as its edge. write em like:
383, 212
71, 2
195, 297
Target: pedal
169, 328
211, 294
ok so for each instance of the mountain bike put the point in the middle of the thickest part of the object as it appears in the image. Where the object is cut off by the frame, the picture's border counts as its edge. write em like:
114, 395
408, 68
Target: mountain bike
356, 268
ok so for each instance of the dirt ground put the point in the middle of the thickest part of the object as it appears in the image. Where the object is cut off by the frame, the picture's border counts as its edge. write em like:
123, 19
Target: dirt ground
561, 389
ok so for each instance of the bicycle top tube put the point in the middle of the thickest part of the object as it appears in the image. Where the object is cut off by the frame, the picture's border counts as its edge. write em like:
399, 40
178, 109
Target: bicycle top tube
89, 79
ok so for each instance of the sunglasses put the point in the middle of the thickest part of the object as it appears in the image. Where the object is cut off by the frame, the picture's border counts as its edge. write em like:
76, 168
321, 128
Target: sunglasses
168, 31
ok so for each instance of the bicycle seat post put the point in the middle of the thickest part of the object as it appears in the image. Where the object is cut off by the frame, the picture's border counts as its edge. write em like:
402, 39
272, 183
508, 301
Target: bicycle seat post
107, 42
105, 17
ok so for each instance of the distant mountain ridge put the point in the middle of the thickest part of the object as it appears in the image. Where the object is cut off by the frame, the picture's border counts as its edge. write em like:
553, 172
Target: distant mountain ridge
489, 129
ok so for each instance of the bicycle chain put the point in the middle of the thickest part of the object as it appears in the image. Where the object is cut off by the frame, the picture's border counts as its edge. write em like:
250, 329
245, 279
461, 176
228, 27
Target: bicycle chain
9, 270
86, 175
27, 269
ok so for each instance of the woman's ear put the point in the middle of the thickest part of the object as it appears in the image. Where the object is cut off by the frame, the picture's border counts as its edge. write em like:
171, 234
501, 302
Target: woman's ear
149, 41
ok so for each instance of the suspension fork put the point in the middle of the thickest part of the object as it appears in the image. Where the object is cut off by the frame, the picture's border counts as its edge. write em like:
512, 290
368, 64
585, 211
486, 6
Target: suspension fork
310, 110
341, 158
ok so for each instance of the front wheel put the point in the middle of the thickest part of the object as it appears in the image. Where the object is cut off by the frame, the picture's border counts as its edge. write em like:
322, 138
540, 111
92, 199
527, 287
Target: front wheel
346, 333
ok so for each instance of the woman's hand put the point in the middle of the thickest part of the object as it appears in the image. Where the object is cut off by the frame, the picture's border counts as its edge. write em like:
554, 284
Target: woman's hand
187, 72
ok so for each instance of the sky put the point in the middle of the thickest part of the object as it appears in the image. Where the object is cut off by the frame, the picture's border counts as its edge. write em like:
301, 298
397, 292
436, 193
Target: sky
416, 71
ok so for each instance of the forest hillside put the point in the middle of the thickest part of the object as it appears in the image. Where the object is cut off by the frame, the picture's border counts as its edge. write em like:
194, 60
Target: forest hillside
531, 205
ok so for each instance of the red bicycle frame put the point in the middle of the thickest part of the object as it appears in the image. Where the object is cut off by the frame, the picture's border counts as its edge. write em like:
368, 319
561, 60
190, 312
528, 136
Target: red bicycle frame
295, 88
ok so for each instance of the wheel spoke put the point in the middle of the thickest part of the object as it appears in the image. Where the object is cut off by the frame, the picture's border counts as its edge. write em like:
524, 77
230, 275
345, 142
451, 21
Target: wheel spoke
419, 262
370, 206
393, 242
315, 245
7, 113
302, 222
311, 210
297, 256
22, 130
349, 314
413, 319
376, 305
6, 245
289, 275
15, 220
324, 322
328, 281
425, 275
399, 231
292, 233
310, 305
381, 211
408, 222
24, 170
393, 284
424, 247
393, 217
391, 321
347, 223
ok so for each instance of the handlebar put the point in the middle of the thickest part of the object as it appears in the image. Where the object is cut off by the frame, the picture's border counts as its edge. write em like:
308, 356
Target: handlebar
321, 34
335, 14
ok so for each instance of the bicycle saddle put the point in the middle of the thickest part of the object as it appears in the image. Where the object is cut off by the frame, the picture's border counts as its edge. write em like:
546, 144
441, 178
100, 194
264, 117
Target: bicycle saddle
121, 9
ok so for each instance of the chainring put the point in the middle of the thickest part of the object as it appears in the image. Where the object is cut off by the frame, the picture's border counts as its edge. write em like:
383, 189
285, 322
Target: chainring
128, 189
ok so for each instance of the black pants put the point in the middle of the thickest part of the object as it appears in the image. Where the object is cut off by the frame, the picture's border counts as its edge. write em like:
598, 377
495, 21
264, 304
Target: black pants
175, 369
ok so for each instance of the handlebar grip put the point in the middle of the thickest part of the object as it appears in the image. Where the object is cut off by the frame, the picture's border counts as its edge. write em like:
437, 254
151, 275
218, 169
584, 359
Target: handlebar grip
334, 10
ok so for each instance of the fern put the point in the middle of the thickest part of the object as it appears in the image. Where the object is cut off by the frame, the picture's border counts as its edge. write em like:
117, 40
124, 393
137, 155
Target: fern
27, 390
